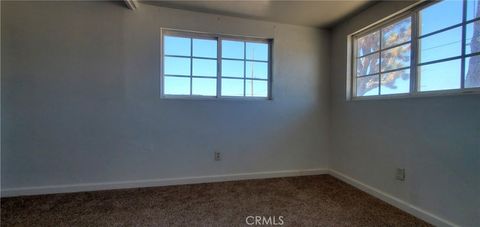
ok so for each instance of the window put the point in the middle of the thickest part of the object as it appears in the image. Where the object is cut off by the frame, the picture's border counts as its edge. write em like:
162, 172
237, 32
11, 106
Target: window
433, 47
201, 65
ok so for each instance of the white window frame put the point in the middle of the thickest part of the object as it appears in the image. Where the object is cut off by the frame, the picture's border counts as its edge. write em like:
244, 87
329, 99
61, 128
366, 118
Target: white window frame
218, 37
413, 12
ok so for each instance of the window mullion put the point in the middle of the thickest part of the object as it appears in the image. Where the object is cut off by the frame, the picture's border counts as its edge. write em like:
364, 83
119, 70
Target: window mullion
464, 34
219, 66
354, 69
380, 38
162, 64
270, 70
191, 65
414, 51
244, 69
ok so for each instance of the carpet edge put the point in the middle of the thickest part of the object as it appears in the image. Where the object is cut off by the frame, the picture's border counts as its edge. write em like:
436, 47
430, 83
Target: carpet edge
98, 186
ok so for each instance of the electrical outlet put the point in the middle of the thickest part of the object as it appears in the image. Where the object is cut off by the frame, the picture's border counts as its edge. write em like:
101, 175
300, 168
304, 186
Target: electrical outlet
217, 156
400, 174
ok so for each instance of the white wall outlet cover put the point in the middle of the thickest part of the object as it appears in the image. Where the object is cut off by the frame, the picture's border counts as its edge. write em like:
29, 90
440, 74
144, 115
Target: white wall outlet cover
400, 174
217, 156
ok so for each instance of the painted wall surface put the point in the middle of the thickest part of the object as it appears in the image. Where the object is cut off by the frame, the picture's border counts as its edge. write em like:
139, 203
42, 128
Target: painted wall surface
81, 99
81, 104
437, 139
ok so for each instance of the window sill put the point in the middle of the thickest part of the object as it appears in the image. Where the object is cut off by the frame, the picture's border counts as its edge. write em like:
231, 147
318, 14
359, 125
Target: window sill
426, 94
213, 98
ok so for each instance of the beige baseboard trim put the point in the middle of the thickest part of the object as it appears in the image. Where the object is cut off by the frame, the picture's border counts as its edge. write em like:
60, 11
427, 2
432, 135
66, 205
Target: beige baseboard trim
392, 200
51, 189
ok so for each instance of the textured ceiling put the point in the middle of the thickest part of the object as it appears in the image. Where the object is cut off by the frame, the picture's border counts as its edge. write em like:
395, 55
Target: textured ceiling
308, 13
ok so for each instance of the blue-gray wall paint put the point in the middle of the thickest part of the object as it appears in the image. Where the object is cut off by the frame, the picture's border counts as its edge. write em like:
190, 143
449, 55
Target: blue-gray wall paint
80, 104
437, 139
81, 99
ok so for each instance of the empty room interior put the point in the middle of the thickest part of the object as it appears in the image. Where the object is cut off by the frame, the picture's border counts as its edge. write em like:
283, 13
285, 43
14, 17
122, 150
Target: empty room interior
240, 113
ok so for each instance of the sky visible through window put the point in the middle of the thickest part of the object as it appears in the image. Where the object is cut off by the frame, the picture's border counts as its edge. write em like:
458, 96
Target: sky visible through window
190, 67
438, 76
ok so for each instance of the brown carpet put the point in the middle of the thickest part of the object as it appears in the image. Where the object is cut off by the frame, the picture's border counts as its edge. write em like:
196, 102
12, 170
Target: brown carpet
302, 201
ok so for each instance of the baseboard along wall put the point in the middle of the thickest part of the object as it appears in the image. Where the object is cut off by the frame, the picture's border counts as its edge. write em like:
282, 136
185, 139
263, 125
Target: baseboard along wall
390, 199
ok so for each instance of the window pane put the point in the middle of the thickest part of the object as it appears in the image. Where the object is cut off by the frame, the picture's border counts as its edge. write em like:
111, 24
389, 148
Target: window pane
397, 33
395, 58
232, 87
440, 15
176, 46
256, 88
367, 86
204, 86
177, 66
204, 67
257, 51
396, 82
472, 72
205, 48
257, 70
368, 44
442, 45
368, 65
473, 9
440, 76
232, 68
473, 38
176, 85
232, 49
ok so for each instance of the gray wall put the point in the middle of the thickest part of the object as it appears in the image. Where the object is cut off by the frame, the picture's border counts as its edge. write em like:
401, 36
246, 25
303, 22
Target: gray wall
436, 139
80, 99
80, 104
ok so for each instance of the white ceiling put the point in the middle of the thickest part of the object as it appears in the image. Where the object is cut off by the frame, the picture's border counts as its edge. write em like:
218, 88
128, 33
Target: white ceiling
320, 13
